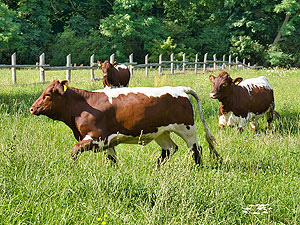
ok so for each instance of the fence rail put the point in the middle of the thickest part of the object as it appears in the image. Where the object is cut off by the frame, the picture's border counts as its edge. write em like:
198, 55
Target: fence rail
217, 64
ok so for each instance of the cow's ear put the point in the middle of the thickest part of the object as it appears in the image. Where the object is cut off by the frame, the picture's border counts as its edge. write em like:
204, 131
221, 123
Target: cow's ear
237, 80
115, 63
99, 63
62, 87
212, 78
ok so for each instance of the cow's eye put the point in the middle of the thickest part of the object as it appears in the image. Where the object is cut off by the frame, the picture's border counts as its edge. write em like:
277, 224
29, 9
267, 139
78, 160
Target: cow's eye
224, 85
48, 96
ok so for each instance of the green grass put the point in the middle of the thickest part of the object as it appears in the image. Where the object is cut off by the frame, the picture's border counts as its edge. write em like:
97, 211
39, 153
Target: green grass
40, 184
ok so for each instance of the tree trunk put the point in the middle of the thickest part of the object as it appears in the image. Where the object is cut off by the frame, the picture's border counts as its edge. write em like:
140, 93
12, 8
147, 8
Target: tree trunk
276, 40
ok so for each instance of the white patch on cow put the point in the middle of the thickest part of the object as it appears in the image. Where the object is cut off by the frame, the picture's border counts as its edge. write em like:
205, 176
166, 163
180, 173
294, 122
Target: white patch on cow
148, 91
122, 66
88, 137
230, 119
223, 120
259, 82
188, 135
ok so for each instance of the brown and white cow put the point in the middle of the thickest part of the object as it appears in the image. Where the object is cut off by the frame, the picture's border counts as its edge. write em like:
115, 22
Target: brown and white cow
102, 119
114, 75
243, 101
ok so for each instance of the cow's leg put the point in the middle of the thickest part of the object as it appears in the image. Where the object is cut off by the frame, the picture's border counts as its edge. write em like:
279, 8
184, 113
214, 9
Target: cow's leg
270, 114
189, 135
222, 121
167, 145
111, 154
81, 146
254, 125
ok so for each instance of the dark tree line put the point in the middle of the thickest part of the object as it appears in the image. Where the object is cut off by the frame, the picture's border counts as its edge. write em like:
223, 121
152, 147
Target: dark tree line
266, 32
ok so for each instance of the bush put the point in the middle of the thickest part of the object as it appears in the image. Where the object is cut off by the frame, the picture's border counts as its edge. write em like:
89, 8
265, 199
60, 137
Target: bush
277, 58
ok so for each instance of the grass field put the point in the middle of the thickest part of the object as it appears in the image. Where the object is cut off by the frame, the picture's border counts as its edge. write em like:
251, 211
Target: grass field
258, 182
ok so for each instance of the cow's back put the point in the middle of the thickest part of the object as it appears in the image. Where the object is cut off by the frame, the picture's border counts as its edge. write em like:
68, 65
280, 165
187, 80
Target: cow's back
252, 95
146, 109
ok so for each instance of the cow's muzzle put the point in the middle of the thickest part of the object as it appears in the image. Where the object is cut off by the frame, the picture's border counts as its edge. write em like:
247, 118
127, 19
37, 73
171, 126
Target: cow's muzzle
213, 95
34, 110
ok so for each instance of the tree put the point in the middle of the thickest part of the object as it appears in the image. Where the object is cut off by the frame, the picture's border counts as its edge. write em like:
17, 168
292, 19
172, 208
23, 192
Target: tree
9, 33
35, 28
131, 29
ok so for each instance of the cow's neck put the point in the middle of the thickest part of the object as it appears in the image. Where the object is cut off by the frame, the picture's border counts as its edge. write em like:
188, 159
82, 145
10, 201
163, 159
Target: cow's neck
235, 101
74, 105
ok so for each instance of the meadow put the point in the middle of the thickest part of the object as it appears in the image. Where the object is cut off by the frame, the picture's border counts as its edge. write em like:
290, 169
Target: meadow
258, 182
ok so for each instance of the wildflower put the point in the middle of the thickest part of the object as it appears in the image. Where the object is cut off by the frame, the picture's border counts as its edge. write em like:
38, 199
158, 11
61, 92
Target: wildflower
103, 223
258, 209
105, 215
98, 219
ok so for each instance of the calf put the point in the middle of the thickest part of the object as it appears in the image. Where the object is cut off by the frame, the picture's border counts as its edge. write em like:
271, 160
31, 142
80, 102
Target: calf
242, 101
102, 119
114, 75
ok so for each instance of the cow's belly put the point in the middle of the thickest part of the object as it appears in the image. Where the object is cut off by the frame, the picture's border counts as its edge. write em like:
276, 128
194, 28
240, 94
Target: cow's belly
143, 139
230, 119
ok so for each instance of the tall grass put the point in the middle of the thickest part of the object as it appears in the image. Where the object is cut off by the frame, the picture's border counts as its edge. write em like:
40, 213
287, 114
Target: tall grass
40, 184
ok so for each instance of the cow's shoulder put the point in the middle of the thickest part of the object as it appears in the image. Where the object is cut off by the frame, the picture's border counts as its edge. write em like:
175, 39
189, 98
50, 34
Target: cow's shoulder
258, 82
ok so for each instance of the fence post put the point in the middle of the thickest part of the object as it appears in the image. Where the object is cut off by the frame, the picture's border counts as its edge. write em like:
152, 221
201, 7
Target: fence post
146, 63
42, 71
229, 62
236, 62
91, 65
172, 64
159, 62
183, 64
244, 62
68, 72
196, 60
215, 59
13, 69
112, 58
204, 62
131, 66
223, 64
249, 67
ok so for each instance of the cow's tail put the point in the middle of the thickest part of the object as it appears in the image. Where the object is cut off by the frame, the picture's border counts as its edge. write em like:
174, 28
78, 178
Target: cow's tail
208, 135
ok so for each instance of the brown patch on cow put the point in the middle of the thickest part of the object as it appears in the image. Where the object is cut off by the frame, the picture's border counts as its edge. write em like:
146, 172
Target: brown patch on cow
163, 110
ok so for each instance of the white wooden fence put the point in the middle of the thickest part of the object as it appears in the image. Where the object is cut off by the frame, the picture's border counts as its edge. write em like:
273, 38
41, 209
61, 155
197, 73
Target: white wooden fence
216, 65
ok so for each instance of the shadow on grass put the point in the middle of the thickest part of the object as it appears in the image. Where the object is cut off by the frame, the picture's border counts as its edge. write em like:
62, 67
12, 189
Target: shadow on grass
287, 124
17, 103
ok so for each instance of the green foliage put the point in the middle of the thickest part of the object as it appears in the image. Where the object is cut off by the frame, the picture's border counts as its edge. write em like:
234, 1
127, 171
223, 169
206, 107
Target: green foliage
130, 30
9, 32
81, 47
245, 48
243, 28
277, 58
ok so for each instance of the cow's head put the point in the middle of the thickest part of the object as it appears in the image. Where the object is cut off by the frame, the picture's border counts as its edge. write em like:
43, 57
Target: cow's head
223, 85
106, 67
52, 101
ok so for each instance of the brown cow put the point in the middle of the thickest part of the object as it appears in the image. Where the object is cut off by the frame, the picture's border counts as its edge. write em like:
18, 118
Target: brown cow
114, 75
102, 119
243, 101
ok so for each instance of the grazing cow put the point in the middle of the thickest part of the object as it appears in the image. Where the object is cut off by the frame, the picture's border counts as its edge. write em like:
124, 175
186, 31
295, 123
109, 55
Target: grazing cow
102, 119
114, 75
242, 101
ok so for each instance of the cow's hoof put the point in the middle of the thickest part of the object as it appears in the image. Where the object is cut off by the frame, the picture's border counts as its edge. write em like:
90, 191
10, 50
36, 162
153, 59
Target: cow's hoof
74, 155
